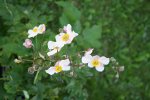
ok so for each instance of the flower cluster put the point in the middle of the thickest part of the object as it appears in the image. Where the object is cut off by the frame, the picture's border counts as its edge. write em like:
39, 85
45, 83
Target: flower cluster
32, 33
65, 37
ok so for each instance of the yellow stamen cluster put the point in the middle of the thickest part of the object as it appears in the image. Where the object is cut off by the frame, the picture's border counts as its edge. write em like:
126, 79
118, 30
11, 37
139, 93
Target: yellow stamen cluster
58, 68
35, 29
65, 37
96, 63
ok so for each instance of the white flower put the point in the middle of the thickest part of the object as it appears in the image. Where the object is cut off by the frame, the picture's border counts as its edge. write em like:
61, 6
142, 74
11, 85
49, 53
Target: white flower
33, 32
36, 30
95, 61
54, 47
28, 43
67, 36
62, 65
41, 29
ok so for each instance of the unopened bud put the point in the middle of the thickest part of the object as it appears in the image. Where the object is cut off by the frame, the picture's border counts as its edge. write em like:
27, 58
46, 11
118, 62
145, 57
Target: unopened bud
17, 61
61, 30
121, 68
117, 75
31, 70
71, 74
112, 59
28, 43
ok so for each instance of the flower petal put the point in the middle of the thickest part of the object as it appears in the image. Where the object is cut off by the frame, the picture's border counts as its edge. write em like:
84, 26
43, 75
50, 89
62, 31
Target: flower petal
67, 28
51, 45
104, 60
74, 34
65, 68
86, 58
57, 38
100, 68
52, 52
31, 34
41, 28
89, 51
51, 70
65, 62
59, 44
90, 64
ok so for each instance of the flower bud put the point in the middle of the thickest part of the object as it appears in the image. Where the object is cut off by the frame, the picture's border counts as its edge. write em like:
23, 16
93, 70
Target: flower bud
28, 43
121, 69
113, 59
117, 75
31, 70
71, 73
17, 61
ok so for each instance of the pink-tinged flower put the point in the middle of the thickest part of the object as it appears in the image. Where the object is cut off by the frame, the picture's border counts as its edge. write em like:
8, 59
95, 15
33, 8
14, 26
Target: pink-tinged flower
95, 62
63, 65
41, 28
54, 47
33, 32
67, 36
28, 43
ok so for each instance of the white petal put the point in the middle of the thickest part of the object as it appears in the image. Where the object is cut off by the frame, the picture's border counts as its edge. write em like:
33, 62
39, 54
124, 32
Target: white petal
31, 34
104, 60
75, 34
58, 38
41, 28
65, 68
67, 28
96, 57
86, 58
52, 52
51, 70
51, 45
88, 52
59, 44
100, 68
90, 64
65, 62
30, 31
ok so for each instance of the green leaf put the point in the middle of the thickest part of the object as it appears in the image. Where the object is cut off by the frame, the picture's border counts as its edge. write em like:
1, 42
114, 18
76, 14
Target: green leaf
92, 36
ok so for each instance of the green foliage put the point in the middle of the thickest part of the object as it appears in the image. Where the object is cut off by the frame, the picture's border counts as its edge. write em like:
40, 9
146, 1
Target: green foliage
115, 28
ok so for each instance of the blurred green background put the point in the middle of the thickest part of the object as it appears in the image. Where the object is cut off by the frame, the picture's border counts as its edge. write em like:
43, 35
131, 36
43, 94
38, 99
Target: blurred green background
115, 28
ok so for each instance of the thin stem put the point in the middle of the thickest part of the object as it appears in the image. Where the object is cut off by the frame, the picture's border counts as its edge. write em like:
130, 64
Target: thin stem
27, 60
36, 76
36, 42
4, 79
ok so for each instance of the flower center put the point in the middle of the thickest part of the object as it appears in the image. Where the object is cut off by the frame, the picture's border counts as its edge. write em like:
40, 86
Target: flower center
96, 63
65, 37
58, 68
35, 29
